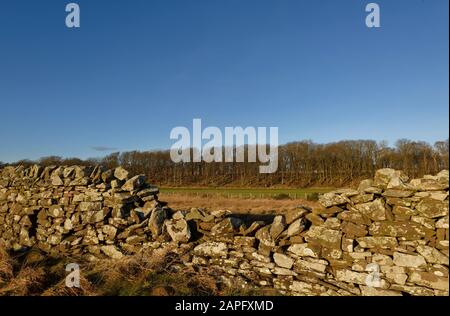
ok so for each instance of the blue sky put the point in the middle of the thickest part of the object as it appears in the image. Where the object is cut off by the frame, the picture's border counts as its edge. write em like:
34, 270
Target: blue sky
136, 69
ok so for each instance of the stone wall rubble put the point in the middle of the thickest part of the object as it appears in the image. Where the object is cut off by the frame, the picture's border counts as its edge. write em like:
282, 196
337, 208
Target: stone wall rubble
389, 236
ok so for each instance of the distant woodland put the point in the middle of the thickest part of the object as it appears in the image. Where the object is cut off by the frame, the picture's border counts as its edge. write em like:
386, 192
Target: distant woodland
301, 164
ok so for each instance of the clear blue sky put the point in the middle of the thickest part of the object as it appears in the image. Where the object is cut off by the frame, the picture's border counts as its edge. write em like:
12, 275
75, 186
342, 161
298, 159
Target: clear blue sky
136, 69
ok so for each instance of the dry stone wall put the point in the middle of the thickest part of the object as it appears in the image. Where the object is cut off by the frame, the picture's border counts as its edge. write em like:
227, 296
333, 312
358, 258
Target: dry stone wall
389, 236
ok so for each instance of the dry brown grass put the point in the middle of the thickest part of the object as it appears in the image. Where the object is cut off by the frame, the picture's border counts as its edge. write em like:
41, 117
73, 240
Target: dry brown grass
149, 272
6, 266
236, 205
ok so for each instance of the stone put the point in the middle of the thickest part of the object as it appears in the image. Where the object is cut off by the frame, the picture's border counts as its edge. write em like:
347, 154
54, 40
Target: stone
333, 223
442, 223
112, 252
134, 183
305, 250
326, 210
432, 208
382, 260
331, 198
283, 271
178, 230
212, 249
428, 185
354, 217
326, 237
347, 244
120, 173
365, 184
397, 193
408, 230
244, 241
384, 176
375, 210
371, 291
304, 265
100, 216
361, 278
315, 219
413, 290
277, 227
296, 227
353, 230
432, 255
430, 280
283, 260
196, 214
410, 261
362, 198
294, 214
264, 237
55, 211
403, 211
377, 242
227, 226
156, 221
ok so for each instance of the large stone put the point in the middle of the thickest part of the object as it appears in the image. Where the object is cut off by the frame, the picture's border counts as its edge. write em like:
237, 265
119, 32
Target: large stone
430, 280
353, 230
197, 214
377, 242
397, 193
296, 227
305, 250
278, 226
227, 226
100, 216
410, 261
212, 249
305, 265
408, 230
326, 237
384, 176
283, 261
264, 237
375, 210
428, 184
120, 173
432, 255
354, 217
432, 208
178, 230
56, 211
371, 291
315, 219
134, 183
294, 214
331, 198
156, 221
361, 278
112, 252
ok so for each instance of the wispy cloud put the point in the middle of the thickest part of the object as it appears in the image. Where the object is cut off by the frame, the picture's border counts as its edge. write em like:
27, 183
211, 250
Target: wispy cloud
103, 148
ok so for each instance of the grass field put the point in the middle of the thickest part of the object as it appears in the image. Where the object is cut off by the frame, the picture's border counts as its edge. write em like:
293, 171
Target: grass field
241, 200
245, 192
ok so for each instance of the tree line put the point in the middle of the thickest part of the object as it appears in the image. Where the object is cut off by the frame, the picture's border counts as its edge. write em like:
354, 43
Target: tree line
300, 164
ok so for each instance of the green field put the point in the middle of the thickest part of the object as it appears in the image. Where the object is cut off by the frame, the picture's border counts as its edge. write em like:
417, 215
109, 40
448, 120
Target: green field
246, 192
